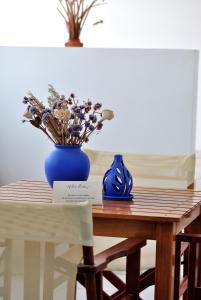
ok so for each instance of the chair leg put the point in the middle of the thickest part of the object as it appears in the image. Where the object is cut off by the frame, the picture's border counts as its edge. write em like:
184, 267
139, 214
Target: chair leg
99, 285
177, 270
48, 284
185, 270
32, 254
186, 262
191, 271
71, 288
90, 284
133, 275
7, 271
198, 293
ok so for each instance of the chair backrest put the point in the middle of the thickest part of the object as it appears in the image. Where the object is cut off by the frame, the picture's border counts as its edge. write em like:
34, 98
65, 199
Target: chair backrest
53, 222
46, 247
170, 171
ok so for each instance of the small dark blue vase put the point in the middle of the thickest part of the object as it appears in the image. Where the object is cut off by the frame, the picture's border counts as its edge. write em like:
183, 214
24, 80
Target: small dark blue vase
67, 163
117, 181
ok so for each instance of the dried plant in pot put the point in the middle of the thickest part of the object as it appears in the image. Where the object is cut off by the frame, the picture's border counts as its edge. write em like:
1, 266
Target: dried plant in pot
68, 124
75, 13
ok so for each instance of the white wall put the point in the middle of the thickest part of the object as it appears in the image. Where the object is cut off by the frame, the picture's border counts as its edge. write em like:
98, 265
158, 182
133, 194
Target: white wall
152, 92
127, 23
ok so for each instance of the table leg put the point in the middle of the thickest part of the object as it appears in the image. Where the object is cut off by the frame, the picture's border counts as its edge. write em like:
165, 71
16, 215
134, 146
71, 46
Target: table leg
195, 227
165, 248
31, 270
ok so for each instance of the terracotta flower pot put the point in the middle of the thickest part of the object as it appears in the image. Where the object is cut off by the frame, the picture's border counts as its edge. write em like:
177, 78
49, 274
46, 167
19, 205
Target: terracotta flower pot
73, 43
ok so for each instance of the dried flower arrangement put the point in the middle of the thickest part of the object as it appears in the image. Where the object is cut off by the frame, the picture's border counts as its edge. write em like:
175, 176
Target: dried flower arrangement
65, 121
75, 13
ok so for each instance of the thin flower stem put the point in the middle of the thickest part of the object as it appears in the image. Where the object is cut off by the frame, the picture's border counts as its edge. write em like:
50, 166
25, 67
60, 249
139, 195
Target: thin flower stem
61, 14
64, 8
92, 131
44, 130
76, 14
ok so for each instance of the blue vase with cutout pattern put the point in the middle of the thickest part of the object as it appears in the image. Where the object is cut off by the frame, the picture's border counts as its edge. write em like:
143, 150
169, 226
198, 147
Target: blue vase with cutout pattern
117, 181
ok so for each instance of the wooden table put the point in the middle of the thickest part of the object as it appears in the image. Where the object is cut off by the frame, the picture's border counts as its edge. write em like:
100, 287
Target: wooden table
156, 214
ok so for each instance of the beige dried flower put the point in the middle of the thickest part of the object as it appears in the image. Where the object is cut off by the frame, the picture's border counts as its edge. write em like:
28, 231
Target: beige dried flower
62, 114
107, 114
27, 115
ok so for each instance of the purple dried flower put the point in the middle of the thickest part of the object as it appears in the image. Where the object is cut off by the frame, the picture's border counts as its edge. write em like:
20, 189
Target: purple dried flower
74, 107
82, 106
81, 116
77, 127
72, 116
89, 103
91, 127
77, 110
87, 124
46, 110
97, 106
45, 116
25, 100
93, 118
57, 104
54, 104
72, 95
29, 107
99, 126
33, 110
87, 109
70, 129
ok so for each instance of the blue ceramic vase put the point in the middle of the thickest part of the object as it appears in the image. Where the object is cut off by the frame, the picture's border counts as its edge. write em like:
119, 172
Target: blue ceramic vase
117, 181
67, 163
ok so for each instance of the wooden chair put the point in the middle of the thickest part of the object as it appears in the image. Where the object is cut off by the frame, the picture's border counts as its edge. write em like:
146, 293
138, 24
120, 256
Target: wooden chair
93, 269
188, 285
44, 227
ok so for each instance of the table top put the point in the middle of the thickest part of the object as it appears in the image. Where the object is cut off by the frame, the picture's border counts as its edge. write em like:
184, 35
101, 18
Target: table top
154, 204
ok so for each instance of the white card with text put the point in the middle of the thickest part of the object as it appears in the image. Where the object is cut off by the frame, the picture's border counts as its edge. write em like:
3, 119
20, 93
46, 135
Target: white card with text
77, 191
